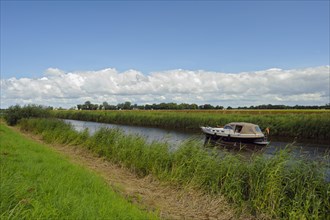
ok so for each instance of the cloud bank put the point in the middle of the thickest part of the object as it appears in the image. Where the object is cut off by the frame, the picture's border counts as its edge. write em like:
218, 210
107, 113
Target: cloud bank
309, 86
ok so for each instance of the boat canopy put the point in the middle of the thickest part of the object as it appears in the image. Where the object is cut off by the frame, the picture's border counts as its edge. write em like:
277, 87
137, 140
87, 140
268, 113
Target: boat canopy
244, 128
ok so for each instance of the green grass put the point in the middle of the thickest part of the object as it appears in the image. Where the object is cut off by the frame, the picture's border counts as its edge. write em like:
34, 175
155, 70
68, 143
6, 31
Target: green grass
281, 186
38, 183
313, 124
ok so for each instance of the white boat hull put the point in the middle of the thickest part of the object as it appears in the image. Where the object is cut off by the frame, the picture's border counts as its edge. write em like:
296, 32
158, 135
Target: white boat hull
228, 135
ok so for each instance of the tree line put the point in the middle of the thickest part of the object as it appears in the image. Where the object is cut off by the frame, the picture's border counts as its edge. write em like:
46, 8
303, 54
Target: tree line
129, 106
270, 106
184, 106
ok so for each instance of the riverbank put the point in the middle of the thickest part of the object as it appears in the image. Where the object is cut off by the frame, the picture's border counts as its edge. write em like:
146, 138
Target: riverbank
297, 124
278, 187
39, 183
167, 200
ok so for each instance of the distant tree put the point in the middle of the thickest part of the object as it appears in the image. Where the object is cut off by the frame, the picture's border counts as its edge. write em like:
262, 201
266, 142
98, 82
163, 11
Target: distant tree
186, 106
87, 105
126, 105
135, 106
208, 106
105, 106
218, 107
193, 106
112, 107
94, 106
148, 107
141, 107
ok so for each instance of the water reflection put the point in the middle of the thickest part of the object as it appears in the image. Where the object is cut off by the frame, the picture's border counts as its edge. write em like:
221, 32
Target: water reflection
175, 138
311, 151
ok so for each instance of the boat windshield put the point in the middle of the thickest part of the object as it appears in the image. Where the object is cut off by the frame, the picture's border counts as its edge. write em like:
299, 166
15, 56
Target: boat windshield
258, 129
228, 127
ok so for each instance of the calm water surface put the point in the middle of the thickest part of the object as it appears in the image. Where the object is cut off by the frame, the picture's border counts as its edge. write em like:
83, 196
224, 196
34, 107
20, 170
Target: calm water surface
174, 138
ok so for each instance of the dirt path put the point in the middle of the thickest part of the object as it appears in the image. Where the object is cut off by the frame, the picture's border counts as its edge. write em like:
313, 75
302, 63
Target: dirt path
169, 201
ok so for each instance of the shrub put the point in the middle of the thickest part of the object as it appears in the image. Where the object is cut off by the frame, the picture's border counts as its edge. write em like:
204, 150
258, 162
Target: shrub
15, 113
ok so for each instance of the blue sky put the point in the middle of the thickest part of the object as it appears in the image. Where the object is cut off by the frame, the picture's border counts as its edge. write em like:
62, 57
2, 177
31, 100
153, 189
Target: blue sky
155, 36
79, 40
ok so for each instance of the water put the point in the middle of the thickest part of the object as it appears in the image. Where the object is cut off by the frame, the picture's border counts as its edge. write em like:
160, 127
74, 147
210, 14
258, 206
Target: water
174, 138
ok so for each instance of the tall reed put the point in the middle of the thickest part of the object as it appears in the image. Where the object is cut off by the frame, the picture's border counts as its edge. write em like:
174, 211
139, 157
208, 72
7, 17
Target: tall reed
314, 125
281, 186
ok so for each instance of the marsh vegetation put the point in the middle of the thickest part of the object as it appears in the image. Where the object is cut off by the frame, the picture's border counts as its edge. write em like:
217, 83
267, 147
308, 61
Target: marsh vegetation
301, 124
280, 186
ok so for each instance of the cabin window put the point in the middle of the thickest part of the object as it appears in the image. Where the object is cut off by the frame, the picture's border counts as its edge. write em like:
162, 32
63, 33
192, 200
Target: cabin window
257, 129
238, 128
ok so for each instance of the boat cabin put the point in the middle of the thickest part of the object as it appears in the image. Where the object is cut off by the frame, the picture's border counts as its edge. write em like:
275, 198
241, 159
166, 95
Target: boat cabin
243, 128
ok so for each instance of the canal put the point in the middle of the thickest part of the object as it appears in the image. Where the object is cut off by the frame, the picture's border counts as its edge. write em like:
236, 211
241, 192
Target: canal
175, 137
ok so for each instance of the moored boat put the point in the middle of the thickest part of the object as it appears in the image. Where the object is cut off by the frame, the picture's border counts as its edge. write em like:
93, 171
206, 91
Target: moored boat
237, 133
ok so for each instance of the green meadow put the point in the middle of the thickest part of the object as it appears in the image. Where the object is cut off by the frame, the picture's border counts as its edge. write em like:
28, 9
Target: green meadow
280, 187
38, 183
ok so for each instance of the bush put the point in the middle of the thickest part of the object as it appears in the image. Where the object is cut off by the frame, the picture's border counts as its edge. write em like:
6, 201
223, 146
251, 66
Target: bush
15, 113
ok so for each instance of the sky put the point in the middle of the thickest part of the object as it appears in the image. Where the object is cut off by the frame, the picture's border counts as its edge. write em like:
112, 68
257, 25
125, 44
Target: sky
229, 53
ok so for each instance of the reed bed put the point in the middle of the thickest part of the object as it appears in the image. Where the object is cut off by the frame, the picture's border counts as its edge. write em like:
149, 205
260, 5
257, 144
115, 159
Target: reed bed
279, 187
301, 124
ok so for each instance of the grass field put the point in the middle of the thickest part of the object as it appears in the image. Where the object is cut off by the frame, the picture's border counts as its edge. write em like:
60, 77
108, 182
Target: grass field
304, 124
38, 183
281, 186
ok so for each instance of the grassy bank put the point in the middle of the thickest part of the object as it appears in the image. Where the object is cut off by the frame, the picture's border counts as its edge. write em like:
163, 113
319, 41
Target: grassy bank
279, 187
37, 183
286, 123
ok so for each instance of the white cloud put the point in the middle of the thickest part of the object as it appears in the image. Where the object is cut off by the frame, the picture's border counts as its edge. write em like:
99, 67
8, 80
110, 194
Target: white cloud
309, 86
54, 72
